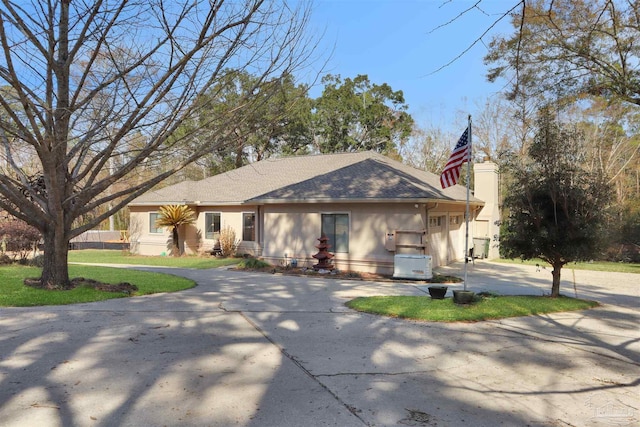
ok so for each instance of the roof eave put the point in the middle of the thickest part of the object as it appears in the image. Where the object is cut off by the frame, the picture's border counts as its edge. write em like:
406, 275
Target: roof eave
361, 200
189, 203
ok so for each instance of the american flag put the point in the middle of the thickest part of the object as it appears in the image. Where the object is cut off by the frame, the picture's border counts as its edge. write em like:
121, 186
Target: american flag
460, 154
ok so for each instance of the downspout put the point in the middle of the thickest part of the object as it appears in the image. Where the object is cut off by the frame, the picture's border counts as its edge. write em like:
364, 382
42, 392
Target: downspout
260, 233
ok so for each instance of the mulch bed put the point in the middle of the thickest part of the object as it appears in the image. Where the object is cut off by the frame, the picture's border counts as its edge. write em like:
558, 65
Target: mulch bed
348, 275
124, 287
335, 274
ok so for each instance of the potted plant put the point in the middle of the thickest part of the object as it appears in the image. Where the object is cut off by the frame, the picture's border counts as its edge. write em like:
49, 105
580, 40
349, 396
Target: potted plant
437, 291
463, 297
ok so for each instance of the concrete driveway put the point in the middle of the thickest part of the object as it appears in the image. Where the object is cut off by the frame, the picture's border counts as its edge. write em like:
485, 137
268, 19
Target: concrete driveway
267, 350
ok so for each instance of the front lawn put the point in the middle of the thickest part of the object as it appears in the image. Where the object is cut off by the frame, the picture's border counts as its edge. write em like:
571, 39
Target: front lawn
486, 308
105, 256
14, 293
614, 267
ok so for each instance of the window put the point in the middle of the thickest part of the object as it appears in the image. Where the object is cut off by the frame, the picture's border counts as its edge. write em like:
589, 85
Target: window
211, 225
336, 228
153, 217
436, 221
249, 227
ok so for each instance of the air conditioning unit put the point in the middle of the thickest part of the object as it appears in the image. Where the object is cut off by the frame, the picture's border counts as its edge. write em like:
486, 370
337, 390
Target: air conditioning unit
416, 267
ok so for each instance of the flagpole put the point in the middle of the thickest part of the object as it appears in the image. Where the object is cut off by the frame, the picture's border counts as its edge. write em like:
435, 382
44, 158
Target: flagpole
466, 237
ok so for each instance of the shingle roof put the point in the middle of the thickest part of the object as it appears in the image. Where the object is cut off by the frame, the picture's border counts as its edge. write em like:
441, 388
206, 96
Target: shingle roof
362, 176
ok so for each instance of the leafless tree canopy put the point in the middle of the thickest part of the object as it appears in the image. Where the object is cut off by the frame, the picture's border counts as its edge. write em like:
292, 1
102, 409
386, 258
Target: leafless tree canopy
92, 92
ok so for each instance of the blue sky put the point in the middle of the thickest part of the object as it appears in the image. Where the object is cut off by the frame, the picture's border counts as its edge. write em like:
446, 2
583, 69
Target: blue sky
392, 42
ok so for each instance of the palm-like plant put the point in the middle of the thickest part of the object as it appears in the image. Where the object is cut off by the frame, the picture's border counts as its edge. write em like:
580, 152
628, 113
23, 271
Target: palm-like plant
174, 216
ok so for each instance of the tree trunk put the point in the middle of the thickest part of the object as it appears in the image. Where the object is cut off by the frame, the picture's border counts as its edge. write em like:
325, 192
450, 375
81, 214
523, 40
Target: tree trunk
555, 287
176, 242
239, 150
55, 269
53, 156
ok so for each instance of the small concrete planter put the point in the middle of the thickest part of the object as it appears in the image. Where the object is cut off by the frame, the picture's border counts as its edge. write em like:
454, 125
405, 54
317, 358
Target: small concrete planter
463, 297
438, 292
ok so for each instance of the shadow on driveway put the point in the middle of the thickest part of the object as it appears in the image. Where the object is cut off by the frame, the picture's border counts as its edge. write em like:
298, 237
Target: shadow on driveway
268, 350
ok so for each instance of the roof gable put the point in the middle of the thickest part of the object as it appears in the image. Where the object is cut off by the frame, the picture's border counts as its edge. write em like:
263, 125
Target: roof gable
366, 180
333, 177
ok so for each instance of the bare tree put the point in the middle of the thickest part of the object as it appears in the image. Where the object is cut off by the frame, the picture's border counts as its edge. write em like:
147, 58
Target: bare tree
611, 143
495, 129
427, 149
88, 75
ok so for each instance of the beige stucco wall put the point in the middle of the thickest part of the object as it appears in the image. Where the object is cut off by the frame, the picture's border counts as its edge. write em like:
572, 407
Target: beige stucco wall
487, 188
288, 231
293, 231
230, 216
192, 236
142, 242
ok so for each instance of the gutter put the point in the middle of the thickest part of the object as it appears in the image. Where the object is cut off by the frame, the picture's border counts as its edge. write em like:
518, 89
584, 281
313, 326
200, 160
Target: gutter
252, 202
186, 202
364, 200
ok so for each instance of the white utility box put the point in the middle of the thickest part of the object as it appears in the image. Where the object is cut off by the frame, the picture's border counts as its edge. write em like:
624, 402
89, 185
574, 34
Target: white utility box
412, 267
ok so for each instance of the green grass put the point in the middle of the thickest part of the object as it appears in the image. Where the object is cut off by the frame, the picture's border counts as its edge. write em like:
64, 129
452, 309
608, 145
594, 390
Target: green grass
13, 292
104, 256
614, 267
486, 308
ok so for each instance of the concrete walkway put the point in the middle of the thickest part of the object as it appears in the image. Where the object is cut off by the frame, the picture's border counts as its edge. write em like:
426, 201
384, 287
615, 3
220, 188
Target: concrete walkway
267, 350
